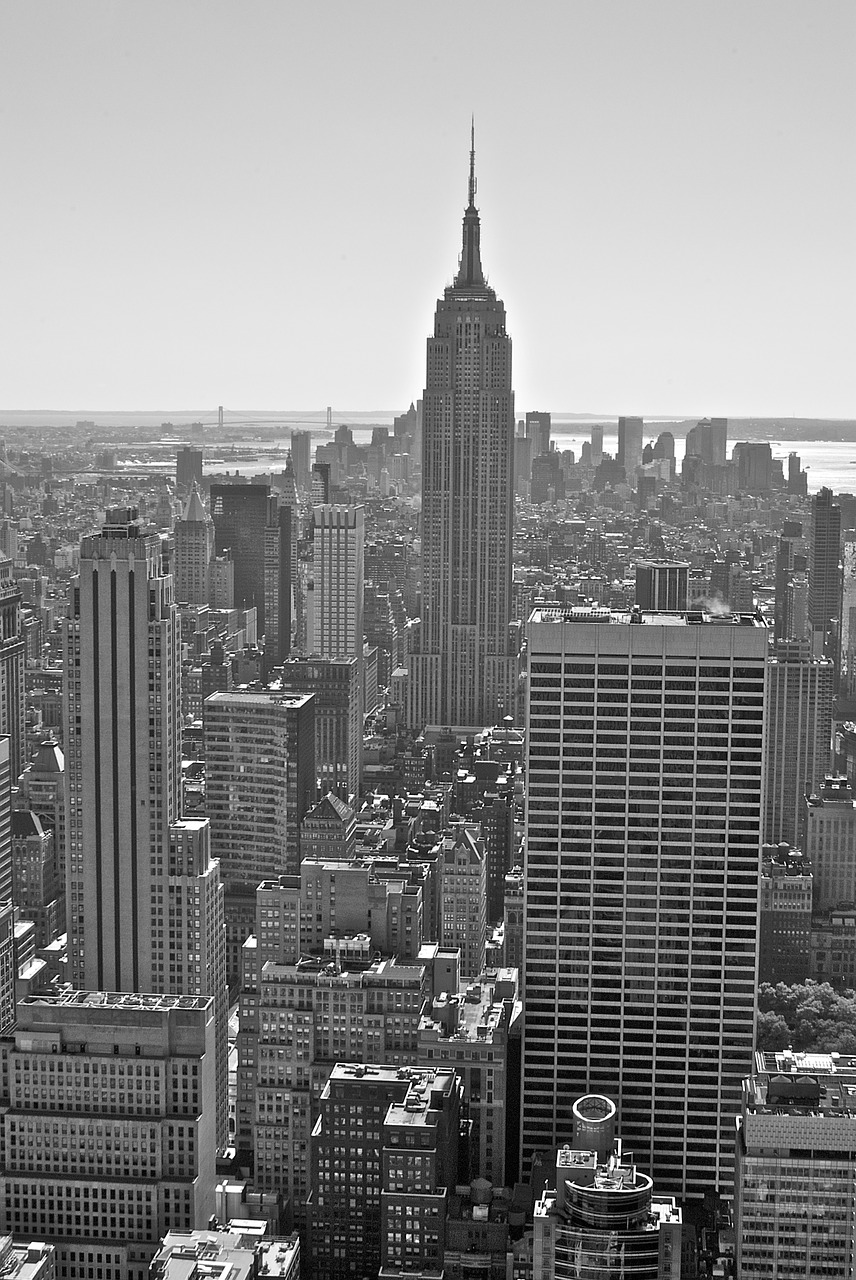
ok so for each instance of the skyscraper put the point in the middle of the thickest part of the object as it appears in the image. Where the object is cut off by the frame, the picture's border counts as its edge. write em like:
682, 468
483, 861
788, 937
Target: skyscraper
462, 669
194, 548
188, 467
301, 445
145, 903
260, 781
12, 701
630, 446
826, 574
799, 735
122, 755
338, 541
645, 763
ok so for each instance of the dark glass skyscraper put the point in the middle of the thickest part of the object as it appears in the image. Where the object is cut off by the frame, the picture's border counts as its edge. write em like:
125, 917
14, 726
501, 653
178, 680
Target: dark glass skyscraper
462, 668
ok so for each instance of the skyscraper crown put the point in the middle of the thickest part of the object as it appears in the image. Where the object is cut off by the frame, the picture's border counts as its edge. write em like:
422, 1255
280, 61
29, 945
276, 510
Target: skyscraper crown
470, 274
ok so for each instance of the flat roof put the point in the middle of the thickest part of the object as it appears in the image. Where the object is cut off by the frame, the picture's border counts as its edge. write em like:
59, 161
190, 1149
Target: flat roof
117, 999
652, 618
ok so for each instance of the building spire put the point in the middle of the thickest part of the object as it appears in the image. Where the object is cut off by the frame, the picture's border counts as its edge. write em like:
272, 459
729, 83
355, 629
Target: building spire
473, 185
470, 274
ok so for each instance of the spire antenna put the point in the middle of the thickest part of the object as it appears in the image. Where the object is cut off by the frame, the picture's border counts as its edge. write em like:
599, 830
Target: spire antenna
473, 184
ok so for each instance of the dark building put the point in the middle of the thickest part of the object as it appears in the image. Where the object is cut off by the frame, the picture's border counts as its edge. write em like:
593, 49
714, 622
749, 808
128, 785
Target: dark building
754, 467
662, 585
548, 478
335, 682
785, 902
12, 658
250, 523
538, 431
789, 615
188, 468
826, 578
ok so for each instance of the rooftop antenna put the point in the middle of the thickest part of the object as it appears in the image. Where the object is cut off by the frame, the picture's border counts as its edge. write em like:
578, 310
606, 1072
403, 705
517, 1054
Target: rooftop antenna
473, 184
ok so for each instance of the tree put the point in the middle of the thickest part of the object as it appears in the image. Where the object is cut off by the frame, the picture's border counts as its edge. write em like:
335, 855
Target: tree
808, 1015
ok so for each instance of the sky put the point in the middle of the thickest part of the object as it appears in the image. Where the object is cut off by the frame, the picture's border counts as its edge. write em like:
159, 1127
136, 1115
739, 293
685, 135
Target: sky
256, 203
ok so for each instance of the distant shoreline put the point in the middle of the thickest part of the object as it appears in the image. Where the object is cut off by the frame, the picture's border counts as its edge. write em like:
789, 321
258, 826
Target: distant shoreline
243, 421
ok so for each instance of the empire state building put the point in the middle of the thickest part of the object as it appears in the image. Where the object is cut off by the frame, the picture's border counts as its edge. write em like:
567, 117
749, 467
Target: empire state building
462, 663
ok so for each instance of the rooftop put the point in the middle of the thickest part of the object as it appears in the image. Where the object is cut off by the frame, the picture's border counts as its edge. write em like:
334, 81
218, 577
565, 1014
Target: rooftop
690, 618
117, 1000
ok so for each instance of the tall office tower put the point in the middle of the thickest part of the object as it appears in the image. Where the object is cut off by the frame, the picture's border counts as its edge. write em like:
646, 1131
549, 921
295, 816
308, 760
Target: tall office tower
259, 783
8, 967
799, 735
538, 426
144, 909
109, 1133
188, 468
301, 446
830, 842
718, 441
240, 514
643, 841
754, 467
338, 542
122, 739
42, 789
797, 478
280, 560
12, 688
790, 562
194, 550
826, 573
630, 446
6, 877
464, 670
794, 1202
707, 440
335, 682
598, 1215
596, 443
662, 585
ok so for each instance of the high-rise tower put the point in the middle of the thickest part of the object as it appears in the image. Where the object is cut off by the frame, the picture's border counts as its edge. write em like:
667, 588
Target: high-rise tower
338, 538
194, 549
12, 705
645, 782
145, 902
122, 753
462, 668
826, 575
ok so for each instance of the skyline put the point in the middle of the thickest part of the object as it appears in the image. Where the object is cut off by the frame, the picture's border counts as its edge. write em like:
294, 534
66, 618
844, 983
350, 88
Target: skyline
188, 230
